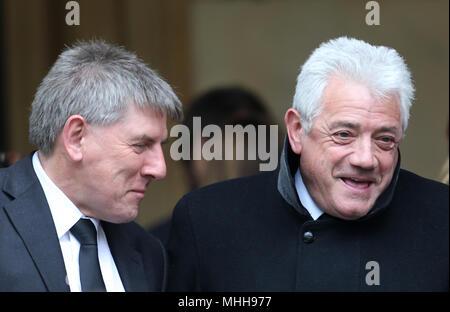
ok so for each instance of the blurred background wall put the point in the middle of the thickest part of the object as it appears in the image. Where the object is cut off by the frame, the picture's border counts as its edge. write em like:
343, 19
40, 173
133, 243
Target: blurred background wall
257, 44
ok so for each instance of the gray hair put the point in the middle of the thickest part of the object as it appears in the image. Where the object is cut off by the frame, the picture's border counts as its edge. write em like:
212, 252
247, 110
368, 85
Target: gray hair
379, 68
97, 81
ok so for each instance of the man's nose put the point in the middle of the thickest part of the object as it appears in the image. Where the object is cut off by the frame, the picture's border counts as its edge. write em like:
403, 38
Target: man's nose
154, 164
363, 155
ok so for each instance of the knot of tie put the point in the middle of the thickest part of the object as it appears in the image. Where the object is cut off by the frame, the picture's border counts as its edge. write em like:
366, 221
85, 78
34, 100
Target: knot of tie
84, 231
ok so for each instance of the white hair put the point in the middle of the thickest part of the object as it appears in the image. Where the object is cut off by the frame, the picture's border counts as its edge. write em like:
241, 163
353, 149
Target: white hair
97, 81
381, 69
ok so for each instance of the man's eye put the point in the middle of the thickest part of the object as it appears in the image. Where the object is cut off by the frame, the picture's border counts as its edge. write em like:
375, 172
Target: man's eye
139, 146
342, 137
387, 139
386, 142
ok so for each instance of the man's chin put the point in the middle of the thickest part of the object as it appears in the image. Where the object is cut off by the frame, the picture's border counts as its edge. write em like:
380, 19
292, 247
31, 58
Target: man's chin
124, 216
353, 212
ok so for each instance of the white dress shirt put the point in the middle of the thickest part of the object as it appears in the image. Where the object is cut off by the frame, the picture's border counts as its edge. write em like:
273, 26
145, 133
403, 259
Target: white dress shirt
305, 198
65, 214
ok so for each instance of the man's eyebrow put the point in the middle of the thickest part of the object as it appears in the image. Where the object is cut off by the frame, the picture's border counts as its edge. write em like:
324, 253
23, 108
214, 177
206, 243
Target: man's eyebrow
143, 137
146, 138
345, 124
388, 129
351, 125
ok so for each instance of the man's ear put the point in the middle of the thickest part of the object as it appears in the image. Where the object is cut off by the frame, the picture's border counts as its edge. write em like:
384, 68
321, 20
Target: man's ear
72, 136
294, 129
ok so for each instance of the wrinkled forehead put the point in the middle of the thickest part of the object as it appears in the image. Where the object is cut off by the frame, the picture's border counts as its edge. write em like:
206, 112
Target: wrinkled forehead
353, 103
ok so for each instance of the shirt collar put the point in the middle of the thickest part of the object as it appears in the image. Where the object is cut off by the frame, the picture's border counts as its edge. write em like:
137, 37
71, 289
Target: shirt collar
305, 197
65, 214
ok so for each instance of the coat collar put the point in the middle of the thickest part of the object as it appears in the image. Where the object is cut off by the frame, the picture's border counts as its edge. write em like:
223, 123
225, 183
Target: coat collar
286, 185
126, 257
289, 163
29, 213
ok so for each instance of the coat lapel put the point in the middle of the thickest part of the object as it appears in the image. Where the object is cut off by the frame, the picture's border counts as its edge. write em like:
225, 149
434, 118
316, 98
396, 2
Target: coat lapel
31, 217
128, 260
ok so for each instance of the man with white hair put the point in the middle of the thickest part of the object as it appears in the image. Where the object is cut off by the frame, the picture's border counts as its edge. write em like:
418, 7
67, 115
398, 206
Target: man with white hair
66, 211
338, 214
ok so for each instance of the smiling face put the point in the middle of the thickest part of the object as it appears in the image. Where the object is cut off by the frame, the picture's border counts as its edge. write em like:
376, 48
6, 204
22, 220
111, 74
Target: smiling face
348, 158
119, 161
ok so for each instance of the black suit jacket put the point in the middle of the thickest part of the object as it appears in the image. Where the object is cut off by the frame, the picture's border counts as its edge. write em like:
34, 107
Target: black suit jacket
253, 234
30, 254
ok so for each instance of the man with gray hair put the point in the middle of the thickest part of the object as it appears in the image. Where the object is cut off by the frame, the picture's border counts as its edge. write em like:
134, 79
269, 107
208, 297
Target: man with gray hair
99, 119
338, 214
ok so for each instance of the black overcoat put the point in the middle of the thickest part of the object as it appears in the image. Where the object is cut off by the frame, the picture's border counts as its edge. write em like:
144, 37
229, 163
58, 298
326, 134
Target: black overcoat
252, 234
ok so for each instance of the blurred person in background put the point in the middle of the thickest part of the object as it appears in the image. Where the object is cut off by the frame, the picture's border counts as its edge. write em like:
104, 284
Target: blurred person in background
8, 158
443, 176
229, 105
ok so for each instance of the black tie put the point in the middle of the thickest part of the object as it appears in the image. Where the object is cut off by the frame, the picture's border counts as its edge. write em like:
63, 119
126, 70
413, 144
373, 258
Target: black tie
90, 274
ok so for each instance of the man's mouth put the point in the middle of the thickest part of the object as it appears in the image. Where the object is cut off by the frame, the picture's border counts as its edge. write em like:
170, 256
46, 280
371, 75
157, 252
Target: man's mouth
357, 183
138, 192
